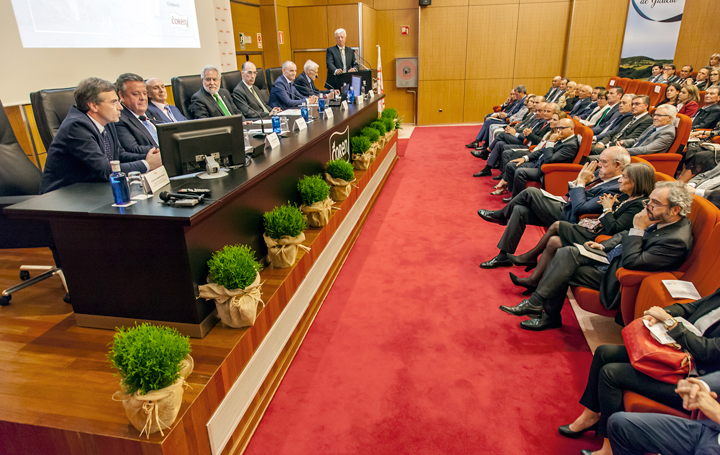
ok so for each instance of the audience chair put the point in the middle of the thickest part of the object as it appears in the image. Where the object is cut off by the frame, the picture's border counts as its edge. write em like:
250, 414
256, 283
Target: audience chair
260, 80
701, 101
634, 402
230, 80
645, 88
19, 181
183, 88
657, 94
270, 75
667, 163
613, 82
693, 75
50, 108
632, 86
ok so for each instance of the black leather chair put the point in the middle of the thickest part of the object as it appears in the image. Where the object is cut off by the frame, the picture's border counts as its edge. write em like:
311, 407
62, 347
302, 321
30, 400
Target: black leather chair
260, 80
270, 75
230, 80
19, 181
50, 108
184, 87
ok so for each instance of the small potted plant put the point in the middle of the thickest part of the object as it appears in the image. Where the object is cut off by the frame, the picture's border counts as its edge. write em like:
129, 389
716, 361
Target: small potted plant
389, 127
153, 362
361, 158
392, 114
339, 174
283, 235
373, 135
380, 127
234, 284
317, 204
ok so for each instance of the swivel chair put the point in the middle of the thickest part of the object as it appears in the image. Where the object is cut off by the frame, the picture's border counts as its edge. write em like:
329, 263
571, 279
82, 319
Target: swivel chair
271, 74
260, 80
50, 108
184, 87
230, 80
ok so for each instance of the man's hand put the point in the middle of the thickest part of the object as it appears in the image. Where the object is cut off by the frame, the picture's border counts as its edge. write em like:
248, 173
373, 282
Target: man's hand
275, 111
587, 173
554, 137
502, 115
248, 122
620, 142
655, 315
313, 99
153, 158
576, 117
338, 71
600, 145
691, 189
685, 176
511, 131
519, 161
707, 403
352, 70
527, 132
594, 245
688, 389
642, 220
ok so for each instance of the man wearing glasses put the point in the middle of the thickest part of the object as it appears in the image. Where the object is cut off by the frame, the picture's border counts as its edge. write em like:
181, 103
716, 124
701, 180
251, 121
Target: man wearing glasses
658, 137
305, 82
211, 100
630, 128
660, 239
251, 101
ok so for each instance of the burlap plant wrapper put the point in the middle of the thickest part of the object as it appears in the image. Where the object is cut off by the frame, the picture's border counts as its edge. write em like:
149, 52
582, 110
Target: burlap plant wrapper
362, 162
318, 214
157, 409
283, 251
380, 143
237, 307
339, 189
389, 136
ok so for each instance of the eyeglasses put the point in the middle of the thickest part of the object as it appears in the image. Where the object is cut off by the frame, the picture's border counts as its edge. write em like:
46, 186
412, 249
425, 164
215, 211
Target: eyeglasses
251, 72
652, 204
563, 127
660, 115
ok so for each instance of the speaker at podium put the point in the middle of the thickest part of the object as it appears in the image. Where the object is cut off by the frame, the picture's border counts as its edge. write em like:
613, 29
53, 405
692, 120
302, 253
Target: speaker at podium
406, 72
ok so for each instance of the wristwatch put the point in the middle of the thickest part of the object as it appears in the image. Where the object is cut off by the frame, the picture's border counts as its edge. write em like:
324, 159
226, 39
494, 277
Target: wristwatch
669, 322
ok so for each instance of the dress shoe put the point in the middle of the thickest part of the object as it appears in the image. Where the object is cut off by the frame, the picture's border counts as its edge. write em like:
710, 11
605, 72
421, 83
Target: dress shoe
528, 265
498, 177
524, 308
521, 282
499, 191
544, 322
568, 433
586, 452
483, 173
492, 216
472, 145
498, 261
478, 154
507, 199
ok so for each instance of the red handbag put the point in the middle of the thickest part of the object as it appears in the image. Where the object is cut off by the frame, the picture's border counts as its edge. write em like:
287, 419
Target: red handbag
666, 363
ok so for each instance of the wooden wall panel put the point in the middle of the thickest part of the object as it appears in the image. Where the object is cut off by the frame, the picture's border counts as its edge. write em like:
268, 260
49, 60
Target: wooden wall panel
246, 19
698, 38
270, 37
308, 27
493, 2
382, 5
445, 95
41, 152
540, 54
369, 36
443, 43
482, 95
536, 85
392, 43
17, 123
283, 22
446, 3
257, 59
343, 16
595, 45
492, 31
401, 100
293, 3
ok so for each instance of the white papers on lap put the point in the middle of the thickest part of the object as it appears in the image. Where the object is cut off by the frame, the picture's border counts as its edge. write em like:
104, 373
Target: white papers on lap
679, 289
290, 112
660, 333
589, 253
553, 197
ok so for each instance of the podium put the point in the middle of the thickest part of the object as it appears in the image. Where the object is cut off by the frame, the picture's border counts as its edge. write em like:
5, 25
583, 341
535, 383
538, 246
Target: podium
346, 78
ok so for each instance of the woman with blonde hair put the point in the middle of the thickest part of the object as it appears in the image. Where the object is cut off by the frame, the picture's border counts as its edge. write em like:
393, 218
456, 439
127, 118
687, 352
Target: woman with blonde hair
688, 100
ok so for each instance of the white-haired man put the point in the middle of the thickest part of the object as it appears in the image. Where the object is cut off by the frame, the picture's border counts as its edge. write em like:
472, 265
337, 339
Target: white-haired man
253, 103
340, 59
305, 81
285, 94
658, 137
211, 100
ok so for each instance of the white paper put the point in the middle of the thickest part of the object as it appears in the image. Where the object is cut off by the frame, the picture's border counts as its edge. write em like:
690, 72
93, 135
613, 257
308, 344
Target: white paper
612, 83
660, 333
256, 130
679, 289
267, 122
290, 112
272, 141
553, 197
328, 112
588, 253
125, 205
657, 89
344, 106
300, 124
157, 179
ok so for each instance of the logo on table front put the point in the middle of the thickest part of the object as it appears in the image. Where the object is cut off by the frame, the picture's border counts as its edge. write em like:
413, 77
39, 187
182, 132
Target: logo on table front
660, 10
340, 145
178, 21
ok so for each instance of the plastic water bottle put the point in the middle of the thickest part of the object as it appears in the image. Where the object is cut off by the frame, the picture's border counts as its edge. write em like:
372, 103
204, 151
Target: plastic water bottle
304, 112
276, 124
119, 184
351, 95
363, 91
321, 103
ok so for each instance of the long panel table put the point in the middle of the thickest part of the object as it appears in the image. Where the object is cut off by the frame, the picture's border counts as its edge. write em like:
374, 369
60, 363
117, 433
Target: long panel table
146, 261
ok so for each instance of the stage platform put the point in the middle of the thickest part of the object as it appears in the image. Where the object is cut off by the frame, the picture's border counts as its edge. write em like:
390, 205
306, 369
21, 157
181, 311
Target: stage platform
56, 383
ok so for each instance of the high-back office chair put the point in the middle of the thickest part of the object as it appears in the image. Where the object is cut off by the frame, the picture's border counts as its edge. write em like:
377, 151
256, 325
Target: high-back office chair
230, 80
50, 108
183, 88
19, 181
270, 75
260, 80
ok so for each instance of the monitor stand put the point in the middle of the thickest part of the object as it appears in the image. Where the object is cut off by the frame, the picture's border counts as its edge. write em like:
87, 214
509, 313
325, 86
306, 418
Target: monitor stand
217, 175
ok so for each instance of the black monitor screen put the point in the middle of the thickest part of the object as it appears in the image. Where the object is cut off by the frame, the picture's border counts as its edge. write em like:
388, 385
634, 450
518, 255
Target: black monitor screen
183, 145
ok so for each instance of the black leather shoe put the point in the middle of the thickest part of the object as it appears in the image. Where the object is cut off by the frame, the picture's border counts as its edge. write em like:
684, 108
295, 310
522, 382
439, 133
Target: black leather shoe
507, 199
528, 265
472, 145
483, 173
568, 433
497, 261
586, 452
521, 282
524, 308
480, 154
544, 322
492, 216
498, 177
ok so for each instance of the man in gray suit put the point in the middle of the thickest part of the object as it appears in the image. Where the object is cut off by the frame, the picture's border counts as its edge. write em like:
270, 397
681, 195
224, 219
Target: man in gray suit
251, 101
658, 137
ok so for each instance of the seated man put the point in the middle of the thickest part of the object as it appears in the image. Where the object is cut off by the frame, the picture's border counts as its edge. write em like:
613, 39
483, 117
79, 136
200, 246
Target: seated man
87, 141
658, 137
585, 113
533, 207
519, 95
527, 120
137, 134
211, 100
702, 78
708, 116
668, 74
246, 96
284, 94
614, 95
554, 88
661, 239
584, 100
684, 77
622, 118
657, 70
629, 128
305, 82
159, 110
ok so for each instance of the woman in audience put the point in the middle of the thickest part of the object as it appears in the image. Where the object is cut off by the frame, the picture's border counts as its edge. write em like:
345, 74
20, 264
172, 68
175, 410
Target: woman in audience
611, 372
671, 94
636, 183
568, 100
688, 100
714, 77
715, 60
600, 111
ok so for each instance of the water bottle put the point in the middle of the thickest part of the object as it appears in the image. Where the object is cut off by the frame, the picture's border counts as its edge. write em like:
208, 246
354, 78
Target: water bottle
276, 124
351, 95
304, 112
363, 91
119, 184
321, 103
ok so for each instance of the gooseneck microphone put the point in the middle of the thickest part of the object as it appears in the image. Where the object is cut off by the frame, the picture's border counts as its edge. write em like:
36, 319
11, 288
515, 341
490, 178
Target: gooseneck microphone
360, 60
168, 197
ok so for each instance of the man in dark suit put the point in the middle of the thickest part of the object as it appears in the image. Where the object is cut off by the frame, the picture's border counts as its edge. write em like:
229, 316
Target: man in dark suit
661, 239
702, 78
248, 99
614, 96
87, 141
658, 137
285, 94
519, 93
630, 128
584, 102
708, 116
534, 207
159, 110
211, 100
685, 75
339, 59
554, 89
137, 134
668, 75
305, 81
657, 72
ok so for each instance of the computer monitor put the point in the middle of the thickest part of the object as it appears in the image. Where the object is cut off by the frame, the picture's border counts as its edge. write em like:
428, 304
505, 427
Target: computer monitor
183, 145
356, 84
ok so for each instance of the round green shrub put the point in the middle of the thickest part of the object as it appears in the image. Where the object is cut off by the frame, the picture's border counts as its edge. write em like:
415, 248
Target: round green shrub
360, 144
284, 220
370, 133
148, 356
234, 267
340, 169
389, 113
313, 189
389, 124
380, 126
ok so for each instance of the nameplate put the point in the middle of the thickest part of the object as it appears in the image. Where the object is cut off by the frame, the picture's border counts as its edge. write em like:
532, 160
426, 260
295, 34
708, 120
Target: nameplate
300, 124
612, 83
657, 89
360, 99
344, 106
328, 112
156, 179
272, 141
371, 93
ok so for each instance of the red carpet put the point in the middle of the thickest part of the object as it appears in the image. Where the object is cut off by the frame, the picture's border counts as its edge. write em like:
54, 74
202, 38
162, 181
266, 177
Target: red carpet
410, 353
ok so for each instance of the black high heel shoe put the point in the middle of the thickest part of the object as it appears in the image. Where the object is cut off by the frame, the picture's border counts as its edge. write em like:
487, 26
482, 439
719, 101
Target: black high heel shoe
568, 433
516, 281
528, 265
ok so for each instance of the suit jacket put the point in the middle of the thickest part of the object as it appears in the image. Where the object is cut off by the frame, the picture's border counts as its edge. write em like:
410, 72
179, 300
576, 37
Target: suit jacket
707, 117
585, 113
658, 141
77, 154
655, 78
306, 87
621, 218
661, 79
133, 135
158, 116
631, 132
285, 95
246, 102
705, 176
701, 85
555, 97
203, 105
689, 109
580, 106
538, 131
584, 201
607, 127
598, 113
333, 59
663, 250
529, 121
561, 152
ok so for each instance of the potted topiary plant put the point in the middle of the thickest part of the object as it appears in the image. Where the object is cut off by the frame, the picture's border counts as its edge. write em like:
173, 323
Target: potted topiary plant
283, 235
389, 127
317, 204
234, 284
153, 362
392, 114
339, 174
380, 127
359, 145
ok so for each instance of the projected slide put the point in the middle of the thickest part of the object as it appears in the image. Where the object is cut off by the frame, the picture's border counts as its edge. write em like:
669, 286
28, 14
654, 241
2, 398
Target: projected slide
107, 23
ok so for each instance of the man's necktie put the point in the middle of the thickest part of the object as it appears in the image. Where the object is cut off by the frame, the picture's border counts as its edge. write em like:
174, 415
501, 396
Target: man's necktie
626, 127
644, 138
602, 117
223, 108
169, 113
342, 56
617, 251
262, 105
106, 145
148, 126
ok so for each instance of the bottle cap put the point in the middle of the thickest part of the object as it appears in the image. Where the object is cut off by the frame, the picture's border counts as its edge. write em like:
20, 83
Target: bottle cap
115, 166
